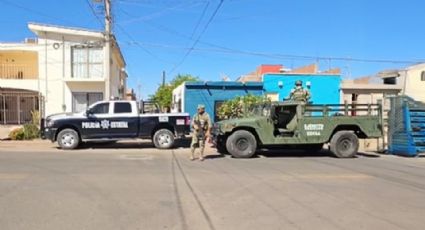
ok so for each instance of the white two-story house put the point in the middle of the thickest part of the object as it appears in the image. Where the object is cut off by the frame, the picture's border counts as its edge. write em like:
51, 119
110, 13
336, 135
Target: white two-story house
62, 70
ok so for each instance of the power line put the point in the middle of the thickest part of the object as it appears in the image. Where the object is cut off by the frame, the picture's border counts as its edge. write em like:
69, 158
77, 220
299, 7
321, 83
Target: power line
150, 16
94, 12
198, 38
281, 56
200, 20
33, 11
139, 45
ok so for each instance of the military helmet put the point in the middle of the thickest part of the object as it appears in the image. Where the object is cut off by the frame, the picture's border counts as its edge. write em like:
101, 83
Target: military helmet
298, 82
201, 106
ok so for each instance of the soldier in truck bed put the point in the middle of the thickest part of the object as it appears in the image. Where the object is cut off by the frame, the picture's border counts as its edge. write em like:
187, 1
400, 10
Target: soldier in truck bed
201, 125
298, 93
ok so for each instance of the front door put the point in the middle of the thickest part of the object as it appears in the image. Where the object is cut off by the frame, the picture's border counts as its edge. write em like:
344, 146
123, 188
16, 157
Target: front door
124, 122
97, 123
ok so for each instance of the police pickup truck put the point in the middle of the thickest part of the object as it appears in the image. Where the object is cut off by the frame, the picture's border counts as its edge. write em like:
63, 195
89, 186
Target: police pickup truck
112, 121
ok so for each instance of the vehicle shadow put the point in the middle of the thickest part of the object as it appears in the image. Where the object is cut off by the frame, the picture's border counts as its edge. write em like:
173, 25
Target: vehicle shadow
136, 144
116, 145
291, 153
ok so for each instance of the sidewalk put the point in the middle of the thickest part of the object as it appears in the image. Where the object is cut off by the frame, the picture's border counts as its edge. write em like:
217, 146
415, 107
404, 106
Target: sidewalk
29, 145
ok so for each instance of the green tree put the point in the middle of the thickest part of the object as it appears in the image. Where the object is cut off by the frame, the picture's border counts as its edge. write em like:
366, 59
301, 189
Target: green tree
164, 93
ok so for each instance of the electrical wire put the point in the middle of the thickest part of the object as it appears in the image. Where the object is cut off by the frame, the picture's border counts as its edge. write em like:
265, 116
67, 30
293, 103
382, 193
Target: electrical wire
279, 56
139, 45
33, 11
94, 12
200, 20
198, 38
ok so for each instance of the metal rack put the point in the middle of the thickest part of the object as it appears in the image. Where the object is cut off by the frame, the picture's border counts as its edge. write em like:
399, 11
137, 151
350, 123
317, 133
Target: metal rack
406, 127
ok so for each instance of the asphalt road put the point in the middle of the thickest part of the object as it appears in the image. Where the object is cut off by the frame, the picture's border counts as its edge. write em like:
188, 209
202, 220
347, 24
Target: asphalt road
142, 188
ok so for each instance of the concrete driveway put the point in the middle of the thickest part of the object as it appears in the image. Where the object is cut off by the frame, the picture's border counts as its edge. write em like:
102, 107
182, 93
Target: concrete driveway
133, 186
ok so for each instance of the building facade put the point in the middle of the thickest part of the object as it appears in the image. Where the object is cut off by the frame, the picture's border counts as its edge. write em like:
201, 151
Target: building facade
324, 88
188, 95
411, 80
64, 67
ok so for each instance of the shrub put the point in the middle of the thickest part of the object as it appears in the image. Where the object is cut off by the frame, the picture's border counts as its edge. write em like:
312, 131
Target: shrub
31, 131
28, 132
239, 106
35, 117
17, 134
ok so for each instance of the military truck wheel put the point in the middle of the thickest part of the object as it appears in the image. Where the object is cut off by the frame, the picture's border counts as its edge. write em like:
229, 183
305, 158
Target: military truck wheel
163, 139
68, 139
241, 144
344, 144
221, 146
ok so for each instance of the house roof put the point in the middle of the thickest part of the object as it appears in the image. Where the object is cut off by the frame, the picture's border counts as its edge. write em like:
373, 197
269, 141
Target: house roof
37, 28
223, 84
346, 85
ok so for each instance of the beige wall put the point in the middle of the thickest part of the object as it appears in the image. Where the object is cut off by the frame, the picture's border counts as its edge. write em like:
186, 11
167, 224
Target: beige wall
414, 87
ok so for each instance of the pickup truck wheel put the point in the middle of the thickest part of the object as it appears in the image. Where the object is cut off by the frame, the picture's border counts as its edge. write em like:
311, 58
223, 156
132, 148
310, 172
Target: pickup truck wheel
344, 144
163, 139
241, 144
68, 139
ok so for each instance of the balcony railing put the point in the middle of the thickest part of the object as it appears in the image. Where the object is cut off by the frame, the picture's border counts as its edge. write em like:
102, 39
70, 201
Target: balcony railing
18, 71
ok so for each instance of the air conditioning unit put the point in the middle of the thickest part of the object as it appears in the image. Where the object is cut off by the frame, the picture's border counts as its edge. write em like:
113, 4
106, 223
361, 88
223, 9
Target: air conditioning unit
31, 40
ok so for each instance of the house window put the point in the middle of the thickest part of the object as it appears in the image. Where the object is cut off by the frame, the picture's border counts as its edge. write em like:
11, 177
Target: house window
81, 101
87, 62
423, 76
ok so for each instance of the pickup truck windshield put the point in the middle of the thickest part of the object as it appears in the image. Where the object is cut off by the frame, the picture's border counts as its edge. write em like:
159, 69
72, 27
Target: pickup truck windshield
102, 108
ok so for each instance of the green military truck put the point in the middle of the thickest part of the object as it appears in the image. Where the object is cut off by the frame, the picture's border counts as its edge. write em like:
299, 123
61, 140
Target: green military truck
292, 125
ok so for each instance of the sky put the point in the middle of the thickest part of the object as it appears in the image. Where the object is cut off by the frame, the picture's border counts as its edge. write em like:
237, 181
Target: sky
212, 39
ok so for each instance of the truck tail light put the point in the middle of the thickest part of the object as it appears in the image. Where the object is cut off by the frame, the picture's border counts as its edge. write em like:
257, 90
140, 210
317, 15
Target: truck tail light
187, 120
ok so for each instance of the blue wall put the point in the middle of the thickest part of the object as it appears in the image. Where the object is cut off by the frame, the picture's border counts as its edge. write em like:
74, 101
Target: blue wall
325, 89
208, 93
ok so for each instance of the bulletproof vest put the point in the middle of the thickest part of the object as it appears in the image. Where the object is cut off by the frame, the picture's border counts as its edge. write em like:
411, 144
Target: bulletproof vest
202, 121
299, 94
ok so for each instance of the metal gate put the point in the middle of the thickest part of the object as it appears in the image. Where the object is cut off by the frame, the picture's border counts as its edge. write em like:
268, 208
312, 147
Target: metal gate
16, 106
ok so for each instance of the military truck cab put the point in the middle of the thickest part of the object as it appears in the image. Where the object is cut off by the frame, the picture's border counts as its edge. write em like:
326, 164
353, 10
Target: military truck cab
300, 126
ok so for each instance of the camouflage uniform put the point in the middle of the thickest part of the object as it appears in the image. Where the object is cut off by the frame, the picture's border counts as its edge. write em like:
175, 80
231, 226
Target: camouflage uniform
298, 93
199, 136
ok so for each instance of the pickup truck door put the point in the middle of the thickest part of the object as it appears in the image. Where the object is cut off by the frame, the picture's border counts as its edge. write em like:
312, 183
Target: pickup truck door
124, 120
96, 125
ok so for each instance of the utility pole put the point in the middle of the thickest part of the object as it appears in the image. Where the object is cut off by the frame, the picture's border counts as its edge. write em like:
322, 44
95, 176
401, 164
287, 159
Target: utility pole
108, 44
163, 78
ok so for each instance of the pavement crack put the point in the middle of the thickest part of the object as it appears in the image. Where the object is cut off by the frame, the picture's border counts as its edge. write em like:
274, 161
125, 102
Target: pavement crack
177, 195
192, 191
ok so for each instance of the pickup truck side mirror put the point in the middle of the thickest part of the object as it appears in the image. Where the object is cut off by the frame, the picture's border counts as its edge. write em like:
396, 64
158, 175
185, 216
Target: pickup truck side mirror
89, 112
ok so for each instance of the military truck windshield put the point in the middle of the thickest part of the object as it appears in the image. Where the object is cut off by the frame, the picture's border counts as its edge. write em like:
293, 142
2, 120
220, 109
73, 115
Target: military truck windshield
260, 110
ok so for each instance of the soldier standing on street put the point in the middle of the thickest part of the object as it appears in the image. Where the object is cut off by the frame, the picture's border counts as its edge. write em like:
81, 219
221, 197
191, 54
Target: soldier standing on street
201, 125
298, 93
